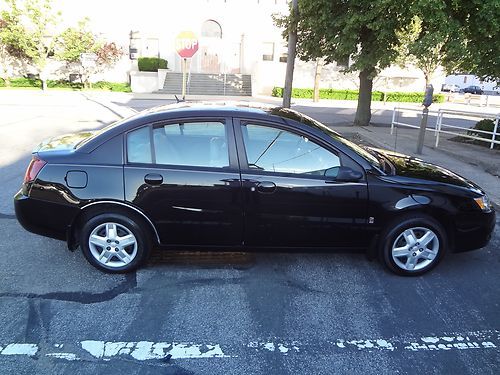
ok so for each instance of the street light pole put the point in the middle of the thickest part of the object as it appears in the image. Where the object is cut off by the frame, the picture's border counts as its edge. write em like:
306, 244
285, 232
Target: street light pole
292, 49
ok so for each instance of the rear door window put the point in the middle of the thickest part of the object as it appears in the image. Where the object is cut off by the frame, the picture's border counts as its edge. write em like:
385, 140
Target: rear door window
196, 144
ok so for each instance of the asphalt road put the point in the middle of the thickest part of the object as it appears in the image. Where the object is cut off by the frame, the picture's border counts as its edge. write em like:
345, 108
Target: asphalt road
227, 313
241, 313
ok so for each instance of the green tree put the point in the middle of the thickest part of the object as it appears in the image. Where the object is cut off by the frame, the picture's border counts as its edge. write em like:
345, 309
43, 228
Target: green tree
422, 47
475, 48
364, 30
461, 36
75, 41
29, 28
40, 35
13, 39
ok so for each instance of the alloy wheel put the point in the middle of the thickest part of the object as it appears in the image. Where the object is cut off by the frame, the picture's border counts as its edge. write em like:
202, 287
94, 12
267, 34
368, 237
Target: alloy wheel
415, 248
113, 245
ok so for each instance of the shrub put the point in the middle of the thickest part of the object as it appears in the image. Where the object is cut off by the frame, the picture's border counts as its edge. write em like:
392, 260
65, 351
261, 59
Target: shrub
25, 82
151, 64
415, 97
112, 86
485, 125
63, 84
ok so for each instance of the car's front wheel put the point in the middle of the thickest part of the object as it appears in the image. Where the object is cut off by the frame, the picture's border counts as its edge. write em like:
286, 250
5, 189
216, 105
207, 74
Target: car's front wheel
413, 246
114, 243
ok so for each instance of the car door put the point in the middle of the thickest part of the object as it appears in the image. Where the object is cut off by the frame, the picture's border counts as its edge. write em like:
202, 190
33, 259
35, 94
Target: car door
291, 196
184, 175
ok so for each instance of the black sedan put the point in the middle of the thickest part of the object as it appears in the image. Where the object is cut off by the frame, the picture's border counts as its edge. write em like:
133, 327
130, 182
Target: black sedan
244, 176
473, 90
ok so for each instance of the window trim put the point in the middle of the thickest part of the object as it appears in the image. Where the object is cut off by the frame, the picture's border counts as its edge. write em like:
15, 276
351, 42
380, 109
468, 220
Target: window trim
228, 127
242, 154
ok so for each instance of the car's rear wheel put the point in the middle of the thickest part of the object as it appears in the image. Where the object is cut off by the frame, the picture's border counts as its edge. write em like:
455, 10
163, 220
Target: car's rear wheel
114, 243
413, 246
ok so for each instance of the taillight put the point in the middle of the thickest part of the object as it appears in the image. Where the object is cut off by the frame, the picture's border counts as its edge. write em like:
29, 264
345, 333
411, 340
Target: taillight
33, 168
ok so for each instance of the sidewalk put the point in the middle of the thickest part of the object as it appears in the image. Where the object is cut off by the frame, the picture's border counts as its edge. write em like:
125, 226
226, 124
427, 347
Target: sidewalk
477, 163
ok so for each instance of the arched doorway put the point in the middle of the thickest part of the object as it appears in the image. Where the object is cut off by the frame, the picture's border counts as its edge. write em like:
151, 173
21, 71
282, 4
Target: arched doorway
211, 47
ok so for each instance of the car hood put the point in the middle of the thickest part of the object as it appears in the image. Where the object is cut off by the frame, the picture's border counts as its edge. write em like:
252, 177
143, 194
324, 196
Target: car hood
63, 142
408, 166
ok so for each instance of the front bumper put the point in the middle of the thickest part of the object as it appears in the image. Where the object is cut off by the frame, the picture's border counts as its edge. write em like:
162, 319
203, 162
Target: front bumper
474, 231
44, 218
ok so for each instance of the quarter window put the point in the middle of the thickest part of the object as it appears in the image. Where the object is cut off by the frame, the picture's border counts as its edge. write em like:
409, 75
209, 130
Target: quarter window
275, 150
139, 146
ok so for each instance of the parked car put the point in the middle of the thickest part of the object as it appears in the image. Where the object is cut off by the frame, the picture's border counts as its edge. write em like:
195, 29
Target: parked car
473, 90
450, 88
215, 176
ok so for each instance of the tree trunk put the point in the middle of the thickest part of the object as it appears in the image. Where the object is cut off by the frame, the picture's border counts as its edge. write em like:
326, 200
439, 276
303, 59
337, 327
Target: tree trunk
427, 80
44, 84
317, 77
363, 113
290, 62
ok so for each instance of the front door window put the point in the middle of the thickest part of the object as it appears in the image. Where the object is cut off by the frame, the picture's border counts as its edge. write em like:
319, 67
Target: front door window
276, 150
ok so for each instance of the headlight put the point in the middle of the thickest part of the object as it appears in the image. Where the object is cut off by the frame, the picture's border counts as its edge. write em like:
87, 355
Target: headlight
483, 202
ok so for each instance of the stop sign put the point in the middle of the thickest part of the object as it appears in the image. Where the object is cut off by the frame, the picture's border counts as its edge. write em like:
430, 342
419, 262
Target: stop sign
186, 44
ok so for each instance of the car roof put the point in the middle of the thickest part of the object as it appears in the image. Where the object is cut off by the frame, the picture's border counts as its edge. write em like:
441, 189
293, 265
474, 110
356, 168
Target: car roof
217, 109
213, 109
220, 108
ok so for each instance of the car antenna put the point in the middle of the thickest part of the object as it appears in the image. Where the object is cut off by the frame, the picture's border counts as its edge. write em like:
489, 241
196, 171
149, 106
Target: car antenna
180, 100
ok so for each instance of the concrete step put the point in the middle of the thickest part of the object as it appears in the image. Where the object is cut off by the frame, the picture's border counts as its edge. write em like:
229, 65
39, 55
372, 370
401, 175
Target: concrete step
209, 84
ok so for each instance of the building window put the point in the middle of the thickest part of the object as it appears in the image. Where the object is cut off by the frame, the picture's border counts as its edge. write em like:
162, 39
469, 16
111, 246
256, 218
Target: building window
268, 51
283, 53
211, 29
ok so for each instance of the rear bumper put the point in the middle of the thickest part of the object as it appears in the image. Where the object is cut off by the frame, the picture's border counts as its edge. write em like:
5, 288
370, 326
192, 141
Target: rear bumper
44, 218
474, 231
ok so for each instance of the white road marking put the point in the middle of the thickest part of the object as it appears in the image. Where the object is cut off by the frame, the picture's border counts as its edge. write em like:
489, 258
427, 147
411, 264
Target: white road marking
144, 350
149, 350
66, 356
20, 349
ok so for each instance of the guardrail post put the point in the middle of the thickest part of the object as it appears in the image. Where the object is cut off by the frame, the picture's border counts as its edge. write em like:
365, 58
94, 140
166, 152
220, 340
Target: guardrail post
393, 118
495, 129
439, 121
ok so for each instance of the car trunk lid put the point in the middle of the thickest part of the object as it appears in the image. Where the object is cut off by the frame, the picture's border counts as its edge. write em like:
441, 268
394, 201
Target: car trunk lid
64, 142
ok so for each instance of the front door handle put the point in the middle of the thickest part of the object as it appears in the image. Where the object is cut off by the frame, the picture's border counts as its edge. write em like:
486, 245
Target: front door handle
266, 187
153, 179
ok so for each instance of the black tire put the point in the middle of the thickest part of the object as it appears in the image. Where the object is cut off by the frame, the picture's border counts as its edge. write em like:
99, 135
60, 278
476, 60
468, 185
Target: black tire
124, 225
393, 235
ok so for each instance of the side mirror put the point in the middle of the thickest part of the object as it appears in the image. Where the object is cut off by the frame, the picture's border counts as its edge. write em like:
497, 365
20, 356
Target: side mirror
346, 174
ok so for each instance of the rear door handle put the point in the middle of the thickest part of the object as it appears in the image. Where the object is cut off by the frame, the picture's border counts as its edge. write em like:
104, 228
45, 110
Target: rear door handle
266, 187
153, 179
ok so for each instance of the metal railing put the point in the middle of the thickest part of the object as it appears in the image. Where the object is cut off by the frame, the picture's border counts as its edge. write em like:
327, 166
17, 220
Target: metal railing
441, 127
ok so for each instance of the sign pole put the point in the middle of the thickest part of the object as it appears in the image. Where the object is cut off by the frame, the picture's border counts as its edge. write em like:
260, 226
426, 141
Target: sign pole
184, 78
429, 90
421, 133
186, 45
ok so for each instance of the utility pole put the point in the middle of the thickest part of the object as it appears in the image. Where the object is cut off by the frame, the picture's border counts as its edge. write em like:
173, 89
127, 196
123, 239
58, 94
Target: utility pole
290, 61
